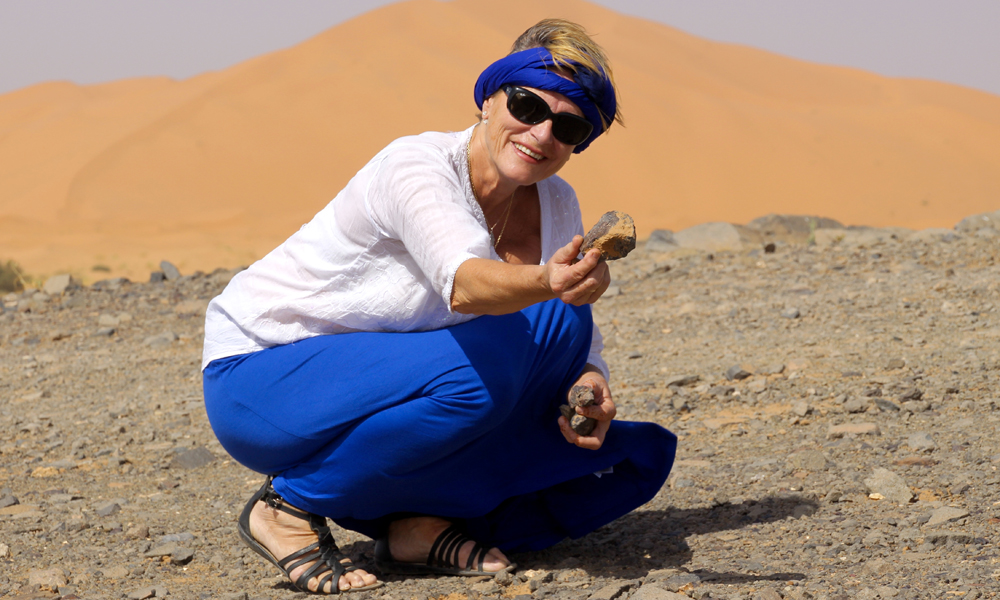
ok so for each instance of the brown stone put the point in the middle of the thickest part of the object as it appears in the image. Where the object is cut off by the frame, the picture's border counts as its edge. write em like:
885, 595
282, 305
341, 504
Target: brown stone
613, 235
580, 395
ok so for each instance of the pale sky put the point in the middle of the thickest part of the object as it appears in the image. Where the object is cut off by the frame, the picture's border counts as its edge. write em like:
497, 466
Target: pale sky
101, 40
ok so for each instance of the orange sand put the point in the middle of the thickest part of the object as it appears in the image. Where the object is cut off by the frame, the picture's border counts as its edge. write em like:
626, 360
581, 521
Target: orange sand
218, 169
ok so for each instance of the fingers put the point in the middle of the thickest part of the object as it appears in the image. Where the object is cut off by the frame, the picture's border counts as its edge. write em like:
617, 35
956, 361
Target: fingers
587, 442
583, 282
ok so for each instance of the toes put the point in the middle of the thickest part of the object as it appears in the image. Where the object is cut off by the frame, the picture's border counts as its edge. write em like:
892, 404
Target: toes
356, 579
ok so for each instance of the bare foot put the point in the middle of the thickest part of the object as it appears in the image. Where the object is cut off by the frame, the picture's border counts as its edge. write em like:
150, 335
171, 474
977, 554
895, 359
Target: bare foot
410, 540
284, 534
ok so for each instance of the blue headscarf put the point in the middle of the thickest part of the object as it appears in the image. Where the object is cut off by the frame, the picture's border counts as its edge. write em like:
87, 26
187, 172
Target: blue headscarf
591, 91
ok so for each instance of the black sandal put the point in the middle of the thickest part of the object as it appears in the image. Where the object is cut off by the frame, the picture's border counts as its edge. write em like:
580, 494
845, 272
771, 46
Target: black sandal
442, 560
325, 551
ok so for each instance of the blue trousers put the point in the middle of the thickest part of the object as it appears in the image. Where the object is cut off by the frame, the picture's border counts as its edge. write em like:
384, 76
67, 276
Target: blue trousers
366, 428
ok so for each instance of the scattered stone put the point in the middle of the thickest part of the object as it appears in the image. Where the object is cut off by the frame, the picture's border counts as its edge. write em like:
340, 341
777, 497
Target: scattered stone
682, 380
157, 277
791, 313
895, 363
612, 591
921, 441
839, 431
106, 320
613, 235
677, 582
137, 532
653, 592
50, 578
161, 339
182, 556
159, 550
4, 551
104, 332
946, 514
857, 405
890, 485
169, 270
143, 593
58, 284
809, 460
192, 459
115, 572
948, 537
661, 240
107, 509
737, 373
886, 405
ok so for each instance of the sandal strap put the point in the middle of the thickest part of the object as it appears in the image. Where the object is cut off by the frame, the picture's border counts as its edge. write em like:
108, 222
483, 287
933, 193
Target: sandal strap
445, 550
324, 554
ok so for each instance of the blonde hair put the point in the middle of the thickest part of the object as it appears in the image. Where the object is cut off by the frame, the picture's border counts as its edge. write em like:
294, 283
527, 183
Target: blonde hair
569, 43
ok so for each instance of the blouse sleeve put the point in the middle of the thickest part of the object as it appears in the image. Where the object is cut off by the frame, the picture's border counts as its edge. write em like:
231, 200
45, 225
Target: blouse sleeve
418, 198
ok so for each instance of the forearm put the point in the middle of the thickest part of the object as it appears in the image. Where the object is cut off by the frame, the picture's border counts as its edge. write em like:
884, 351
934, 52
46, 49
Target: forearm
490, 287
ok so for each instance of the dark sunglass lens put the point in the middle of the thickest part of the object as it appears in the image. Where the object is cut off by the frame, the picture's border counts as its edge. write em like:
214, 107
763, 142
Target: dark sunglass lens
571, 131
527, 108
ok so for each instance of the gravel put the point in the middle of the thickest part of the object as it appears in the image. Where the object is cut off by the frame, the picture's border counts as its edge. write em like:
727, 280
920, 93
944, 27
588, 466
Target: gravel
768, 365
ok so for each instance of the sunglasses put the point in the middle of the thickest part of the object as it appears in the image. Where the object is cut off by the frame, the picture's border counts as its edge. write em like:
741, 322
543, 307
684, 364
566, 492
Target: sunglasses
528, 108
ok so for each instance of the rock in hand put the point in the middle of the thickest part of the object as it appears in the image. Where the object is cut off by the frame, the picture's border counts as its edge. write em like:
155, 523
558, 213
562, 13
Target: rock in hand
613, 235
580, 395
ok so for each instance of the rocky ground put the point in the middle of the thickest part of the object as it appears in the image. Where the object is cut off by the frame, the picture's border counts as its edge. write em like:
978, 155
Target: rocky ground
835, 392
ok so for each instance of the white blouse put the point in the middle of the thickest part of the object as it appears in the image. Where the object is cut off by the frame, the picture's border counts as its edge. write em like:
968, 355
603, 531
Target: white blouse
381, 256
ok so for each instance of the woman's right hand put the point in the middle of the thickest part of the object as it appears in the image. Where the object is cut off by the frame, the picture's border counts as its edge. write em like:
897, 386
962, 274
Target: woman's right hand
577, 282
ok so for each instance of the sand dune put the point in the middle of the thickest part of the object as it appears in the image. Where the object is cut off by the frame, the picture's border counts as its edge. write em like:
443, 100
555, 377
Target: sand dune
216, 170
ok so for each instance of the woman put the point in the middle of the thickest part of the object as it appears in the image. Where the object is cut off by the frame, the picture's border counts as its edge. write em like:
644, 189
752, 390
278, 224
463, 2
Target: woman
397, 364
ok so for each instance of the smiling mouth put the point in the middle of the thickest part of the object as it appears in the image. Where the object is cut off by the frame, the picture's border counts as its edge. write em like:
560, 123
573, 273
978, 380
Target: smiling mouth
530, 153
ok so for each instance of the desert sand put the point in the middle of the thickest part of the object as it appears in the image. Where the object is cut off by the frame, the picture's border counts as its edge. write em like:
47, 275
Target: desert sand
216, 170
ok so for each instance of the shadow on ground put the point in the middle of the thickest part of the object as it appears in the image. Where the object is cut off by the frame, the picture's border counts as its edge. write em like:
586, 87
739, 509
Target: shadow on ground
644, 541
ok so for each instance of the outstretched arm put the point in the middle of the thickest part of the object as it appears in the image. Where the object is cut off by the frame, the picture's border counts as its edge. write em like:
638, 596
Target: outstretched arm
489, 287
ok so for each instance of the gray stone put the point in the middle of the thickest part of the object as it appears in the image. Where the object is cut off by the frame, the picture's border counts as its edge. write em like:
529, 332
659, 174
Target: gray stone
57, 284
104, 332
655, 592
791, 313
895, 363
157, 277
886, 405
809, 460
162, 550
192, 459
8, 500
767, 595
107, 509
4, 551
106, 320
186, 536
182, 556
169, 270
890, 485
161, 339
990, 220
939, 538
736, 373
50, 578
142, 593
921, 441
857, 405
661, 240
682, 380
946, 514
676, 582
612, 591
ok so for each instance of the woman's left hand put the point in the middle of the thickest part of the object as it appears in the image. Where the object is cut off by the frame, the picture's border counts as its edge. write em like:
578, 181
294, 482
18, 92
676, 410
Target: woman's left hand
603, 409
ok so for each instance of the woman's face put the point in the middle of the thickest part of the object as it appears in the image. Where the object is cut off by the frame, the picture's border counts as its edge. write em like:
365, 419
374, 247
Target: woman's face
526, 154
